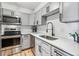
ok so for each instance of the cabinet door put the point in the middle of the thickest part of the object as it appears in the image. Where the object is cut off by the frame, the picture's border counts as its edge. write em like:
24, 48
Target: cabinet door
39, 18
53, 54
38, 50
32, 19
0, 12
44, 53
25, 19
7, 12
54, 5
70, 11
32, 40
25, 41
38, 47
42, 48
36, 18
17, 14
43, 11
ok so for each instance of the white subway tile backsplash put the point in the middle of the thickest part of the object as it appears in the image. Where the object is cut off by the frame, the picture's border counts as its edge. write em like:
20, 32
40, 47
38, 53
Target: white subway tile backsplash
41, 29
26, 29
60, 29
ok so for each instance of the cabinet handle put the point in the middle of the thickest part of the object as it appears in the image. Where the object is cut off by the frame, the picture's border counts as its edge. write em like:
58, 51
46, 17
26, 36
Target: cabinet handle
61, 11
12, 13
58, 54
47, 9
39, 48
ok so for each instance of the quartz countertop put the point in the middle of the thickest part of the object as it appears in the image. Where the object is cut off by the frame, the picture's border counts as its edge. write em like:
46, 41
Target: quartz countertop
66, 45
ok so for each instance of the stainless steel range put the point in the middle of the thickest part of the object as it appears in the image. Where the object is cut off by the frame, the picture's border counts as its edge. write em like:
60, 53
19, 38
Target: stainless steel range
11, 36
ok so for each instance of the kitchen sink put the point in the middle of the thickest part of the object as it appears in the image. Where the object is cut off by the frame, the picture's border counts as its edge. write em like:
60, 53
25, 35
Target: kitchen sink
48, 37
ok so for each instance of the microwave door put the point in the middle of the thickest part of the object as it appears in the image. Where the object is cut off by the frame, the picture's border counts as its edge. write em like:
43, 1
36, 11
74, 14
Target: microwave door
8, 19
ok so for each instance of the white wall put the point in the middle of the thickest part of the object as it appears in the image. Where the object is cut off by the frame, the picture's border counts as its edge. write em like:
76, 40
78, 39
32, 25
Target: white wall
60, 29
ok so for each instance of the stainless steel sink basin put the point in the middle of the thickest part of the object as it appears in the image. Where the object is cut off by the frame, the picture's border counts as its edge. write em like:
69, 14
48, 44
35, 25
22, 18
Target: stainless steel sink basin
48, 37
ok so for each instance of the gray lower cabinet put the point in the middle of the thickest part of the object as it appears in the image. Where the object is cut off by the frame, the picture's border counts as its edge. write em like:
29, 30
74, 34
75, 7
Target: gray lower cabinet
59, 52
42, 48
25, 41
38, 47
46, 49
25, 18
52, 52
32, 41
45, 53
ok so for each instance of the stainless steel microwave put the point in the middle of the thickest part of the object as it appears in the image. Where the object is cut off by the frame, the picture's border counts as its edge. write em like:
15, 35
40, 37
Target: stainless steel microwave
10, 19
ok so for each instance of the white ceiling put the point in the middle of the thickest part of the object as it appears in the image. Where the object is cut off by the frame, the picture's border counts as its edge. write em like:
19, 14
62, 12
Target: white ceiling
28, 5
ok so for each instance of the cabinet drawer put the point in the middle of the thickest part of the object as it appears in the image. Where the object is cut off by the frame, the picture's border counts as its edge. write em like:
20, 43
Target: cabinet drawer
46, 46
45, 53
38, 41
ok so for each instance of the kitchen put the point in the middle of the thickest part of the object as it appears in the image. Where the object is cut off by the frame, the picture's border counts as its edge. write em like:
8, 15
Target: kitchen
39, 29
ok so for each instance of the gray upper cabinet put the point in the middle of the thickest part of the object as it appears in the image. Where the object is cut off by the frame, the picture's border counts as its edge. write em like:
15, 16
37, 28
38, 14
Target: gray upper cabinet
17, 14
25, 19
36, 18
54, 5
31, 19
0, 13
69, 12
43, 11
39, 18
7, 12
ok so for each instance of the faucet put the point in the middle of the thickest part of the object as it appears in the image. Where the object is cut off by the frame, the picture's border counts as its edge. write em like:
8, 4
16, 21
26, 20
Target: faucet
50, 29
